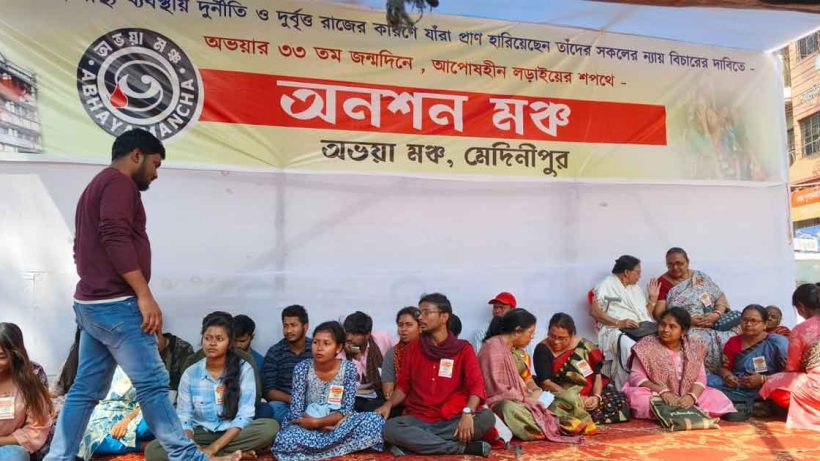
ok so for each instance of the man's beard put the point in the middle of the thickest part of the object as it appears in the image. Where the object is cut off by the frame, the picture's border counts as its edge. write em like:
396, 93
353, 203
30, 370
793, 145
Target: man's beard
139, 178
298, 338
142, 186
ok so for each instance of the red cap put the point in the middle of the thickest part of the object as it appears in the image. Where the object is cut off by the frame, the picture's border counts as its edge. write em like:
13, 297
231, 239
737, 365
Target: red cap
504, 298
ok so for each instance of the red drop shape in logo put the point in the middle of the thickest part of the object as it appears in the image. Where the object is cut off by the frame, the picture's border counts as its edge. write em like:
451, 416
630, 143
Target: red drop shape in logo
118, 98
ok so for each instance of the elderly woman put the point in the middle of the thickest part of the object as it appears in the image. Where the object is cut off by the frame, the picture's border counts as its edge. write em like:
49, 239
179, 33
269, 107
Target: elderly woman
798, 388
670, 366
566, 362
618, 302
701, 297
749, 359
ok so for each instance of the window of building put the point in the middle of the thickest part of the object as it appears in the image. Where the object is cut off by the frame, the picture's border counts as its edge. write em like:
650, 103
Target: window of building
790, 139
810, 133
807, 46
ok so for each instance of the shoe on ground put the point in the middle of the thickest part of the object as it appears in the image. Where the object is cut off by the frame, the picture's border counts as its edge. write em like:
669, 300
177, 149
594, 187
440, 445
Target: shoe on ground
479, 448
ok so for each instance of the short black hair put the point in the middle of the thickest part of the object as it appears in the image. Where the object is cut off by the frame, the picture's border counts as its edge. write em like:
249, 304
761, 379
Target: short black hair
137, 139
625, 263
412, 311
681, 316
454, 325
510, 322
441, 302
565, 321
358, 323
243, 325
334, 328
764, 314
295, 310
807, 294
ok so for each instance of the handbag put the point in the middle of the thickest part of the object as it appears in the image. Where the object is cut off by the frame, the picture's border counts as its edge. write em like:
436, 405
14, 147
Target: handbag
680, 419
645, 328
727, 321
614, 407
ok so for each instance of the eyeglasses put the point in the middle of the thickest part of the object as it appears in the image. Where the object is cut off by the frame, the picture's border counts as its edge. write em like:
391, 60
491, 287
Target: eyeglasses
426, 313
750, 321
560, 339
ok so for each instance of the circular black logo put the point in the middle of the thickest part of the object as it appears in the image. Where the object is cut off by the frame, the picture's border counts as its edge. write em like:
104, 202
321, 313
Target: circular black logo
137, 78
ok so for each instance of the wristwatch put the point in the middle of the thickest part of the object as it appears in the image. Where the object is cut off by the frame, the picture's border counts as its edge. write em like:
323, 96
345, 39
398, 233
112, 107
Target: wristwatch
467, 411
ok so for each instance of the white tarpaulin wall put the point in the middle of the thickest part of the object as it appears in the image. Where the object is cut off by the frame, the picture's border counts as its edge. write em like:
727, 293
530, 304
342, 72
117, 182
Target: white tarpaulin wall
253, 243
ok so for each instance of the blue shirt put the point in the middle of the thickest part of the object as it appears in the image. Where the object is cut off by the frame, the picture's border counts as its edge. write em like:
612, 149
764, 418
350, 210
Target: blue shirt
277, 373
196, 401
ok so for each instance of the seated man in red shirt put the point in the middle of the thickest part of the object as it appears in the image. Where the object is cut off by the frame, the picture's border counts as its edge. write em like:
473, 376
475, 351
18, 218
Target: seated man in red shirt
441, 387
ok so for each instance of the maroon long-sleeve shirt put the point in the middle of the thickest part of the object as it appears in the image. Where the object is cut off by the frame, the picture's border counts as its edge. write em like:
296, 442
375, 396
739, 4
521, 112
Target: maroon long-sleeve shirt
110, 237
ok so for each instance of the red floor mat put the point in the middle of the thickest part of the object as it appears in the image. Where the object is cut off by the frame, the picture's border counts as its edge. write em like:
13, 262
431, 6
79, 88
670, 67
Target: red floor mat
644, 441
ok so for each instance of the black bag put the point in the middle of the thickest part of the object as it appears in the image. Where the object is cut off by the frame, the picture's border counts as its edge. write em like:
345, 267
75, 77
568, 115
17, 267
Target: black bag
645, 328
727, 321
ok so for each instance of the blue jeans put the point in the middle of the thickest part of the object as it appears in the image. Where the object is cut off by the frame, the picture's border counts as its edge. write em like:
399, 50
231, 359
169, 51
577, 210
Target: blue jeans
111, 335
281, 411
13, 453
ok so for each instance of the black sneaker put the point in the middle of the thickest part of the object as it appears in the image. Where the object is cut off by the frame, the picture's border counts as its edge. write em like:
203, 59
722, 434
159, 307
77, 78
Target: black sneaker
478, 448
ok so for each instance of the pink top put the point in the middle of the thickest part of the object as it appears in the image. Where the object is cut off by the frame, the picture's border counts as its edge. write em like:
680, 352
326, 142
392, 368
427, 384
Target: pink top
711, 401
638, 375
383, 340
801, 338
803, 385
28, 433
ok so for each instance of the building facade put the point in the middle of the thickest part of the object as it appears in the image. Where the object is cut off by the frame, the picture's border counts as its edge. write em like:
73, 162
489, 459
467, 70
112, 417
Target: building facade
19, 118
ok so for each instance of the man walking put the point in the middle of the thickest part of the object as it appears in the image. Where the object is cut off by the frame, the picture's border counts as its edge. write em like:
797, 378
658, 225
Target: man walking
114, 307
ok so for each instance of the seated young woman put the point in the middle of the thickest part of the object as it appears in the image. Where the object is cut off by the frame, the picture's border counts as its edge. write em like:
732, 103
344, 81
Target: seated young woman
671, 366
25, 405
569, 364
749, 359
408, 329
516, 403
322, 423
216, 399
798, 387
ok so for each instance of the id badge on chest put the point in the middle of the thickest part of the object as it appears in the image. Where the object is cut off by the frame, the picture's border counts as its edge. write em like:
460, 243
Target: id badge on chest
584, 368
219, 394
335, 394
706, 300
445, 368
6, 408
760, 364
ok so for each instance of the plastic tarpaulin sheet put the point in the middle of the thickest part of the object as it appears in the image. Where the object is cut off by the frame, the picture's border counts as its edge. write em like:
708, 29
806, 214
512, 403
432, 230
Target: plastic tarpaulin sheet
254, 243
